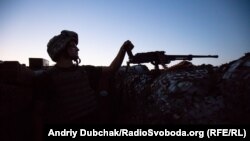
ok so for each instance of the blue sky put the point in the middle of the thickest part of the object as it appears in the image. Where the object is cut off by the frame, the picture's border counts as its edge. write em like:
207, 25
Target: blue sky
219, 27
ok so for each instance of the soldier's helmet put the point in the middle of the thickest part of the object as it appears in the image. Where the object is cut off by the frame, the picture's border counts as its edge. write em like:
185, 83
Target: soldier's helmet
59, 42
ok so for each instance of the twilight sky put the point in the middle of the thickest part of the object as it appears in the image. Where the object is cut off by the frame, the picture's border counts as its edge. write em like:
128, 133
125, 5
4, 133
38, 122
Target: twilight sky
216, 27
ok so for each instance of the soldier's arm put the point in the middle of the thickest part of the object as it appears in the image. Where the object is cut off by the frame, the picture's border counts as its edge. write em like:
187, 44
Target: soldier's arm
116, 63
114, 66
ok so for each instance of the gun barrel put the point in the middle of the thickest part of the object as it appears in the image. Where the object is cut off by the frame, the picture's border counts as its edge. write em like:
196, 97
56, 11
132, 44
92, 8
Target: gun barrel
188, 57
205, 56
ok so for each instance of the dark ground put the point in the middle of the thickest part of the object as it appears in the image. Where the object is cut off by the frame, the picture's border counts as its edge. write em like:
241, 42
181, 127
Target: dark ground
183, 94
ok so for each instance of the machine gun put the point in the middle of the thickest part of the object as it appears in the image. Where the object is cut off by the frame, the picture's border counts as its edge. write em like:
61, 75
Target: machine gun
159, 57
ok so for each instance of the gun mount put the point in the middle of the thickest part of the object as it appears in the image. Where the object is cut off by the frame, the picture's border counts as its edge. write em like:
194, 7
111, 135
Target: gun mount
159, 58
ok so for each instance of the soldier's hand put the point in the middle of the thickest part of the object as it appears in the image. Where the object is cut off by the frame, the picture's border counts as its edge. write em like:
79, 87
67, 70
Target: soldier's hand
127, 45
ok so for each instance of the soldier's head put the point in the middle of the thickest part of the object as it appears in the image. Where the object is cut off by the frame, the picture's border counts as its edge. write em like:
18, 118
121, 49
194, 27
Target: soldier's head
64, 45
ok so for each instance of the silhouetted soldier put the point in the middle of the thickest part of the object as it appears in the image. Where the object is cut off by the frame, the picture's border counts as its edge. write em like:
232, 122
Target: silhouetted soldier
67, 92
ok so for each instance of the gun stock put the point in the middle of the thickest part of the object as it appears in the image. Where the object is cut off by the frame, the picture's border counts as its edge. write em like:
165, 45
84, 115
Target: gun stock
130, 54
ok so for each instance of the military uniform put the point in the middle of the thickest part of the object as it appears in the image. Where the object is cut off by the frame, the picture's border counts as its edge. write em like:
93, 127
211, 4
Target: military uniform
69, 94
